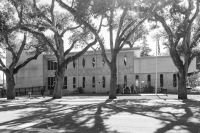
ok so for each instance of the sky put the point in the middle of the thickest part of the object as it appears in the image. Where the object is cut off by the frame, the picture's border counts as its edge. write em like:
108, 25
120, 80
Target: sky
105, 34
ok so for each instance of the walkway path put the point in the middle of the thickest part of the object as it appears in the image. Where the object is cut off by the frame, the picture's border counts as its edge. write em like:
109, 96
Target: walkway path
96, 114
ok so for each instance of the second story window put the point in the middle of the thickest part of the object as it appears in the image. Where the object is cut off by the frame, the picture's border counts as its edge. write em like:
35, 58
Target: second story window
103, 62
93, 62
52, 65
125, 60
83, 62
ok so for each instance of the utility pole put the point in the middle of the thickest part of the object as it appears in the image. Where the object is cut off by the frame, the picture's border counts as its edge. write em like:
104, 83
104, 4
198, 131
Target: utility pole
3, 80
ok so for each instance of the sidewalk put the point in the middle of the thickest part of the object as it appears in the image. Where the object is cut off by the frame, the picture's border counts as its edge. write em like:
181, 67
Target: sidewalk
98, 114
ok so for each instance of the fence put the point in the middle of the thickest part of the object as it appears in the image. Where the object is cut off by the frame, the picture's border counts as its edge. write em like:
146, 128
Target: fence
34, 90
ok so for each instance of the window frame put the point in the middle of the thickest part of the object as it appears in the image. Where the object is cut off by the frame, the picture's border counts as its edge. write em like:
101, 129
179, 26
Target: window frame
83, 62
103, 81
125, 80
50, 82
93, 62
125, 60
174, 80
65, 83
93, 82
74, 82
161, 80
149, 80
83, 82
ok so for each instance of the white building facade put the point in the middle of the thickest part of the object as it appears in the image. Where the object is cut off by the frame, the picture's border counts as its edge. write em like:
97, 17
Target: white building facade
92, 73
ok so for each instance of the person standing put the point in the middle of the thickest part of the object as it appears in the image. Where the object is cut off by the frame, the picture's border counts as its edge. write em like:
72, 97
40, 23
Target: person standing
42, 92
2, 93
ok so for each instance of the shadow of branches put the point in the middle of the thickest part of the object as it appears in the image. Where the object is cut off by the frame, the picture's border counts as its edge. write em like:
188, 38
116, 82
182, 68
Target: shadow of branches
106, 116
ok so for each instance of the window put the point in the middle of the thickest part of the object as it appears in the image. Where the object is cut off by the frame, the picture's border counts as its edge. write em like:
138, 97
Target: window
103, 62
52, 65
174, 80
161, 80
74, 63
125, 60
55, 65
149, 80
93, 82
83, 82
136, 80
74, 82
49, 65
125, 80
93, 62
103, 81
65, 83
83, 62
51, 81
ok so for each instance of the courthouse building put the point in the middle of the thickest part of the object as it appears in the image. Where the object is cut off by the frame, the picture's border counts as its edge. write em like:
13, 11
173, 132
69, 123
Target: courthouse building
92, 73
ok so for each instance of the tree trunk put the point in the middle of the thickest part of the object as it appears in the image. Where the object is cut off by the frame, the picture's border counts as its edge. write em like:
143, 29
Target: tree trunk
10, 86
182, 90
113, 80
59, 79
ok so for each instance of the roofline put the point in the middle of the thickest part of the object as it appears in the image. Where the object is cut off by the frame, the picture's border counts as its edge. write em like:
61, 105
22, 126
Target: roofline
99, 51
143, 57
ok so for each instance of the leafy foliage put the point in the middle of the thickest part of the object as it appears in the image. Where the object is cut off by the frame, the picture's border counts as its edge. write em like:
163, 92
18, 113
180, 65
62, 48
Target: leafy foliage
180, 21
145, 49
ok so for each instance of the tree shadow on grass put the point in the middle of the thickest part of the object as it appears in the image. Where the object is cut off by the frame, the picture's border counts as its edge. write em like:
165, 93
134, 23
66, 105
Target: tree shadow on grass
101, 117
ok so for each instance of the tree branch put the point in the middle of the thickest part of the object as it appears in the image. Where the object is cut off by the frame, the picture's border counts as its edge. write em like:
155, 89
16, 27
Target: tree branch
21, 48
125, 29
2, 69
120, 26
9, 46
100, 25
72, 58
68, 50
2, 64
69, 29
132, 32
26, 62
81, 21
51, 11
43, 38
35, 6
166, 27
196, 13
111, 29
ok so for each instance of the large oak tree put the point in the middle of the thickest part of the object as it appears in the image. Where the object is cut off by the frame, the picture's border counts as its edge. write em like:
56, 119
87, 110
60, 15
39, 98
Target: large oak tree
122, 18
12, 42
180, 21
44, 17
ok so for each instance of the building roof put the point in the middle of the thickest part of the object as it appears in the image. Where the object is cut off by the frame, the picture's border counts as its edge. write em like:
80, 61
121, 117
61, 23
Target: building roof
99, 51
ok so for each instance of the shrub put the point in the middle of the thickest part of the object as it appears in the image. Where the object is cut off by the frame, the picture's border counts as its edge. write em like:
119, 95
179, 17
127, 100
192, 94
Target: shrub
80, 90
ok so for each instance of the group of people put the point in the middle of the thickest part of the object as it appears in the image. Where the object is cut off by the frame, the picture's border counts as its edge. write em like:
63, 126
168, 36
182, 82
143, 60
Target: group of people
127, 89
131, 89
